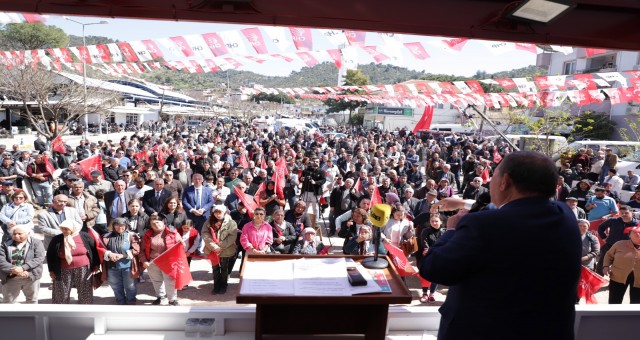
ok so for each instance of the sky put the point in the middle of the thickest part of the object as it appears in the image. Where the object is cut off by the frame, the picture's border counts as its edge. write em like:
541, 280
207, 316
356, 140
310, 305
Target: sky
473, 57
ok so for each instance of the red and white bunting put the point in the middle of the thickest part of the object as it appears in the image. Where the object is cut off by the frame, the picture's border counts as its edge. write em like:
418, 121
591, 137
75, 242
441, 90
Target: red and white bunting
453, 45
140, 50
417, 50
278, 36
116, 54
356, 38
198, 46
377, 56
254, 36
215, 44
234, 42
336, 37
128, 52
336, 56
302, 38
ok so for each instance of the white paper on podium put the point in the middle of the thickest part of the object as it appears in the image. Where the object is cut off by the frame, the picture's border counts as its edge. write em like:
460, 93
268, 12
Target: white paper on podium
268, 278
321, 277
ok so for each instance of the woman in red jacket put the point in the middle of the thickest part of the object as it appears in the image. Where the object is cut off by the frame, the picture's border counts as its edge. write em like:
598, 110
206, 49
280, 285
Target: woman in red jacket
156, 241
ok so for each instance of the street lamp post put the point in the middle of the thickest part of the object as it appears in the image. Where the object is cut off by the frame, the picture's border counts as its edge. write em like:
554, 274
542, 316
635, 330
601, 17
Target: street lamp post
84, 71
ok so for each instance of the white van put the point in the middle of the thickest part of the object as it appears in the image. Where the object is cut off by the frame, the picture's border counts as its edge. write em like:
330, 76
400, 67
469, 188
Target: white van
620, 148
455, 128
552, 145
298, 124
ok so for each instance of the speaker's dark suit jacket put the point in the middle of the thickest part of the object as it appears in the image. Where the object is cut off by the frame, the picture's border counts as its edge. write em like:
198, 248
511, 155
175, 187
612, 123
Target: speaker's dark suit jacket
513, 272
151, 203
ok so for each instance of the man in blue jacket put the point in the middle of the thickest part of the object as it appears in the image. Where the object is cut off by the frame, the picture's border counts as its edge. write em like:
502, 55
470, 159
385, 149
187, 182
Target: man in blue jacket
512, 271
197, 201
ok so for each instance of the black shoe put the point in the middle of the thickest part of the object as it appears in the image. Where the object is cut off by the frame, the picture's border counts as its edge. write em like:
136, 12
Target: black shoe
157, 301
222, 290
332, 233
174, 303
215, 291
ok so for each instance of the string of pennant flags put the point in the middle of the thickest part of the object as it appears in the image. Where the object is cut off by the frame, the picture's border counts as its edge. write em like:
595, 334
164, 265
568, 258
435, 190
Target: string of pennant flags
18, 18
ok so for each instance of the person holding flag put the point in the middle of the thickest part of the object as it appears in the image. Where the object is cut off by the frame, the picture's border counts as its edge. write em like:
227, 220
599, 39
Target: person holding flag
156, 241
40, 180
219, 234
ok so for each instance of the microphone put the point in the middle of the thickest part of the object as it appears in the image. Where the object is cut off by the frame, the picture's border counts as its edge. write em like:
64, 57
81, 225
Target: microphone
379, 216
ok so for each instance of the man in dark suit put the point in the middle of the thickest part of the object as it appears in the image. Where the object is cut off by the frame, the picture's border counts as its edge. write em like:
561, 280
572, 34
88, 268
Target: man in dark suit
153, 200
197, 201
501, 282
117, 200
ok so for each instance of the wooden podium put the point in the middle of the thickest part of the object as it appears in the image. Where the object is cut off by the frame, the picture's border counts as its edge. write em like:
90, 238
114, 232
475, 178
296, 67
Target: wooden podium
359, 314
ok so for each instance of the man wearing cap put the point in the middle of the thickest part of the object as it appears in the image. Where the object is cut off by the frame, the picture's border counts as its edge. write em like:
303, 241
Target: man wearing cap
414, 176
612, 231
65, 189
7, 191
424, 206
85, 203
7, 170
40, 176
572, 202
96, 183
472, 257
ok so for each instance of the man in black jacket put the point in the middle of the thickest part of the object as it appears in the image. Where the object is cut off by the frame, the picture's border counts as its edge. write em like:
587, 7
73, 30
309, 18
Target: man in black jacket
312, 181
343, 198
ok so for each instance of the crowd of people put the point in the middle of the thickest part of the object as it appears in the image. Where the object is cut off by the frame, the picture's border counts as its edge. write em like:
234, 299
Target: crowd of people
219, 192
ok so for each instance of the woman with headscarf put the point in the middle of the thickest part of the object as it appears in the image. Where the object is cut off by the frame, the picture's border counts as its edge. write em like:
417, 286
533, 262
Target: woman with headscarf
219, 234
18, 212
309, 243
270, 200
72, 257
120, 259
21, 260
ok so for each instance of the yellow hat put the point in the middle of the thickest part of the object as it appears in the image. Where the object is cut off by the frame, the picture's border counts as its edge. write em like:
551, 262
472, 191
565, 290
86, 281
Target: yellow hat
379, 215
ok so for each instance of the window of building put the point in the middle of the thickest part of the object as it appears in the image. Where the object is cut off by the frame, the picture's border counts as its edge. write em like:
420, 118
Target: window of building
132, 118
569, 67
439, 106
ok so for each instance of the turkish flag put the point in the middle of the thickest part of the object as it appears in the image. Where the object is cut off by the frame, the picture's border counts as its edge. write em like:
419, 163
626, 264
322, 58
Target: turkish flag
247, 200
399, 259
425, 121
143, 155
589, 284
57, 145
90, 164
173, 262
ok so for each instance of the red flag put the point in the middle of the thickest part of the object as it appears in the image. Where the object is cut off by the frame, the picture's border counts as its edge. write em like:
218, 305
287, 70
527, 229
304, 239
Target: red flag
485, 175
590, 52
417, 49
355, 38
425, 121
57, 145
127, 51
214, 258
261, 188
47, 164
243, 161
589, 284
356, 186
496, 156
264, 162
247, 200
254, 36
143, 155
173, 262
302, 38
279, 176
376, 199
336, 56
90, 164
399, 259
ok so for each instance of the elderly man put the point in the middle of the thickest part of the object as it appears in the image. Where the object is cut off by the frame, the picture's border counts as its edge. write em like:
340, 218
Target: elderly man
474, 189
21, 260
342, 199
50, 219
153, 200
96, 183
113, 172
232, 200
522, 186
116, 201
86, 204
220, 192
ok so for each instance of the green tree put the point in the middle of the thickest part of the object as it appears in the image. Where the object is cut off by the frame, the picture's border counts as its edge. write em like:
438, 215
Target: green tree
352, 78
275, 98
32, 36
355, 78
593, 125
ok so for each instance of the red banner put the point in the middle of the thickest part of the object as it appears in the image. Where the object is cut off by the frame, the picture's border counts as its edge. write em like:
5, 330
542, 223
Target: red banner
254, 36
307, 58
128, 52
417, 49
336, 56
376, 198
90, 164
356, 38
183, 45
215, 43
173, 262
425, 121
48, 166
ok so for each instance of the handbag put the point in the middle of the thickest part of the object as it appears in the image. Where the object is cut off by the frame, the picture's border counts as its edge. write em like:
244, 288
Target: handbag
97, 280
410, 246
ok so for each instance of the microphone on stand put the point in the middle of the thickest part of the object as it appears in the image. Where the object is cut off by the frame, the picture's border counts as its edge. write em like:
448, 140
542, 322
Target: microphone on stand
379, 216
